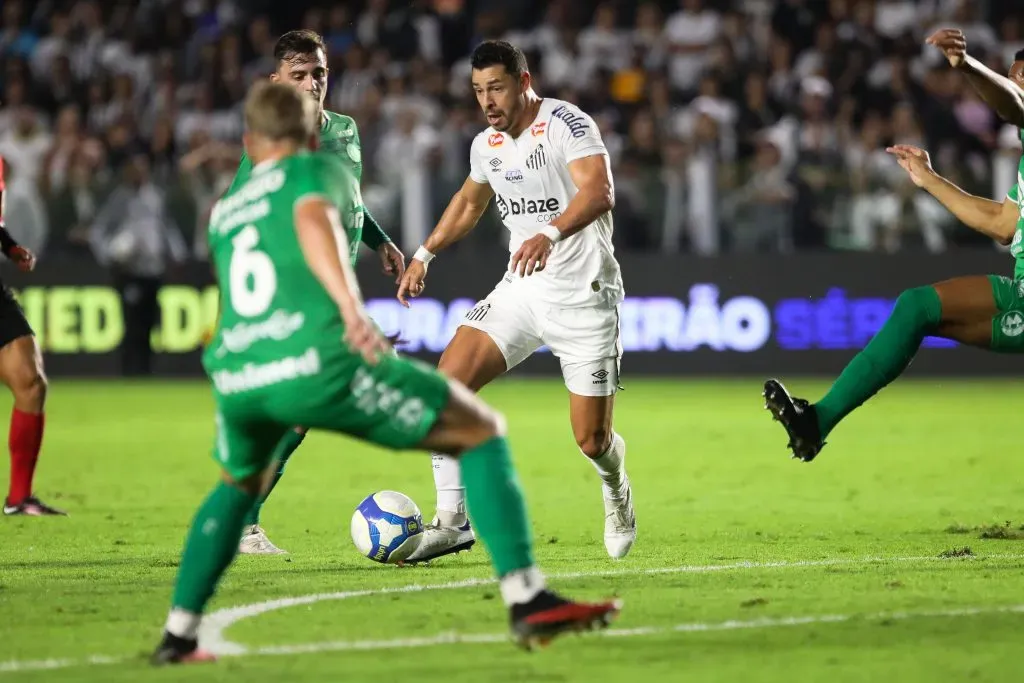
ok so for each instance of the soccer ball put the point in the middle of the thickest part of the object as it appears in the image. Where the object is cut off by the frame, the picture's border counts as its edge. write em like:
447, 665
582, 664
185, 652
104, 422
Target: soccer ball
387, 527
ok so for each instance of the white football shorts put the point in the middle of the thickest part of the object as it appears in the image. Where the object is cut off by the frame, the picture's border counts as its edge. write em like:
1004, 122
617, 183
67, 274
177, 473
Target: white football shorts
584, 339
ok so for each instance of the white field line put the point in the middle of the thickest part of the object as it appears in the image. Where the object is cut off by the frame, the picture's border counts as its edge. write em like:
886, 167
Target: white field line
211, 633
691, 627
214, 625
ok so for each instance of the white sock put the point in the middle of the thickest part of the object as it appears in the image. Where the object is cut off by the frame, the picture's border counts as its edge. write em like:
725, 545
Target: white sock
183, 624
522, 586
609, 463
451, 494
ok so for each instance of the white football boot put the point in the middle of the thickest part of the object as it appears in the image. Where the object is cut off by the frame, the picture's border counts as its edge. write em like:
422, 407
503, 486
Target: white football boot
440, 540
255, 542
619, 518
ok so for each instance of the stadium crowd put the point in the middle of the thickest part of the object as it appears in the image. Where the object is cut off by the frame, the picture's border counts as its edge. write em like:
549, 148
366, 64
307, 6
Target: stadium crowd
754, 125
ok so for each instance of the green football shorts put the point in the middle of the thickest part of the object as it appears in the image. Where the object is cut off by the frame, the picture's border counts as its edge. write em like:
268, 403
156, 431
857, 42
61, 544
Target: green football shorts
393, 403
1008, 324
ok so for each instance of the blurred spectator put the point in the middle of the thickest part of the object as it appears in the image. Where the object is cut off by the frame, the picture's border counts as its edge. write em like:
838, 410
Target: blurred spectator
135, 237
407, 157
24, 145
763, 205
690, 32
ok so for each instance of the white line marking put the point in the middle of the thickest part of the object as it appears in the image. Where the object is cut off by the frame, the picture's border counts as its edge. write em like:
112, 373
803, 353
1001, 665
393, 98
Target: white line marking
215, 623
211, 632
494, 638
693, 627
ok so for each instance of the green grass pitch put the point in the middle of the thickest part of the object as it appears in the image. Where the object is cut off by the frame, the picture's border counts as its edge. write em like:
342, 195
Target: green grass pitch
893, 556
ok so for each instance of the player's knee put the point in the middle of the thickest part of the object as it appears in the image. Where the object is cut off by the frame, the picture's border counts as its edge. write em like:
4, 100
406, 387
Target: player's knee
919, 303
29, 388
253, 484
594, 442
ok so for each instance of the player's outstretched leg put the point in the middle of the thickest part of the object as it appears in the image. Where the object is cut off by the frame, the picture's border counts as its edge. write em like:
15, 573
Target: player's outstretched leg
212, 539
962, 309
254, 538
471, 430
473, 359
21, 367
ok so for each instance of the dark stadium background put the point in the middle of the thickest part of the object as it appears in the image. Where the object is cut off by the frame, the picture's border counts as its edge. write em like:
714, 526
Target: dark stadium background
760, 225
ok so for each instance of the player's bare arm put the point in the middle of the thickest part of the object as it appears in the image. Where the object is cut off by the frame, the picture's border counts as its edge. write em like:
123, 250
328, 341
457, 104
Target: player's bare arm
459, 218
997, 220
1005, 95
592, 176
319, 230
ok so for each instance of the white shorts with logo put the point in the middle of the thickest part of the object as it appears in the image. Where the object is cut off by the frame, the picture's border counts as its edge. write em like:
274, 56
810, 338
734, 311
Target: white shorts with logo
584, 339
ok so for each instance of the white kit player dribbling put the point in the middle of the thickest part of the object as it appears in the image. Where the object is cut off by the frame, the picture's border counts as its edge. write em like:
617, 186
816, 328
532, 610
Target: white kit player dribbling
545, 164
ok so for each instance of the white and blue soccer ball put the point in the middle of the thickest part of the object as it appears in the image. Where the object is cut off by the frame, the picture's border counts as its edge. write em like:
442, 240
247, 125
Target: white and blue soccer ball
387, 527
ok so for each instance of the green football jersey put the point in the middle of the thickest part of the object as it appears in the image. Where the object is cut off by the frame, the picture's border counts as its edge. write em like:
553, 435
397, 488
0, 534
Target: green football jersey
338, 140
277, 322
1016, 195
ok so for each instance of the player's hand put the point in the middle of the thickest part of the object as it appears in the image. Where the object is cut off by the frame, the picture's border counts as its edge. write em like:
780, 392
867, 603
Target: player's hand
363, 337
914, 160
393, 260
532, 255
952, 43
412, 282
23, 258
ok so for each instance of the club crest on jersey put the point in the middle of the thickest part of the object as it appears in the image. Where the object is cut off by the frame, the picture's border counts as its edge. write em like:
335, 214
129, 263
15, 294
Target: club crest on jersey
576, 124
538, 128
514, 176
537, 159
495, 139
1012, 324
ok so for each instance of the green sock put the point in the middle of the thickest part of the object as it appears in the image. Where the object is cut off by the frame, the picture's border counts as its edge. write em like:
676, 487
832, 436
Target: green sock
210, 546
917, 313
284, 449
496, 506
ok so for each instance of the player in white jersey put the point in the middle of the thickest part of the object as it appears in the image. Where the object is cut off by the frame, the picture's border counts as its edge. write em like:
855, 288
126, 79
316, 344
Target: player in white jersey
546, 165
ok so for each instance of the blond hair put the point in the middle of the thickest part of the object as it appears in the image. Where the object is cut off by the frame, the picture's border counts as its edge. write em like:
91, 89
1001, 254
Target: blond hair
280, 112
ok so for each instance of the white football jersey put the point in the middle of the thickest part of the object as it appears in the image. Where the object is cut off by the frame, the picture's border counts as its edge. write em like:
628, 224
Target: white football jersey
532, 186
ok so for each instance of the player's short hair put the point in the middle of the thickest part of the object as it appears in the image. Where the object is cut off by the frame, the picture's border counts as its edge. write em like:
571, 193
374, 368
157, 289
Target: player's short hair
499, 52
280, 112
296, 43
1019, 56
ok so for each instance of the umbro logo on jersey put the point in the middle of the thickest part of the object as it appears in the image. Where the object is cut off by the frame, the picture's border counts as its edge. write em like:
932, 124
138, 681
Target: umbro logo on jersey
495, 139
538, 159
495, 164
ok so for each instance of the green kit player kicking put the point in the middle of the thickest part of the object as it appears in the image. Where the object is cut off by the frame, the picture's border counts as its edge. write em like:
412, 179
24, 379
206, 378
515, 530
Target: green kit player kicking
985, 311
294, 346
301, 58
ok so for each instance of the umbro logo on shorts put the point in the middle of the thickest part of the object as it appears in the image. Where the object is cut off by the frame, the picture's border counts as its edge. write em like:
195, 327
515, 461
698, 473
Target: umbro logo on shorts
600, 377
